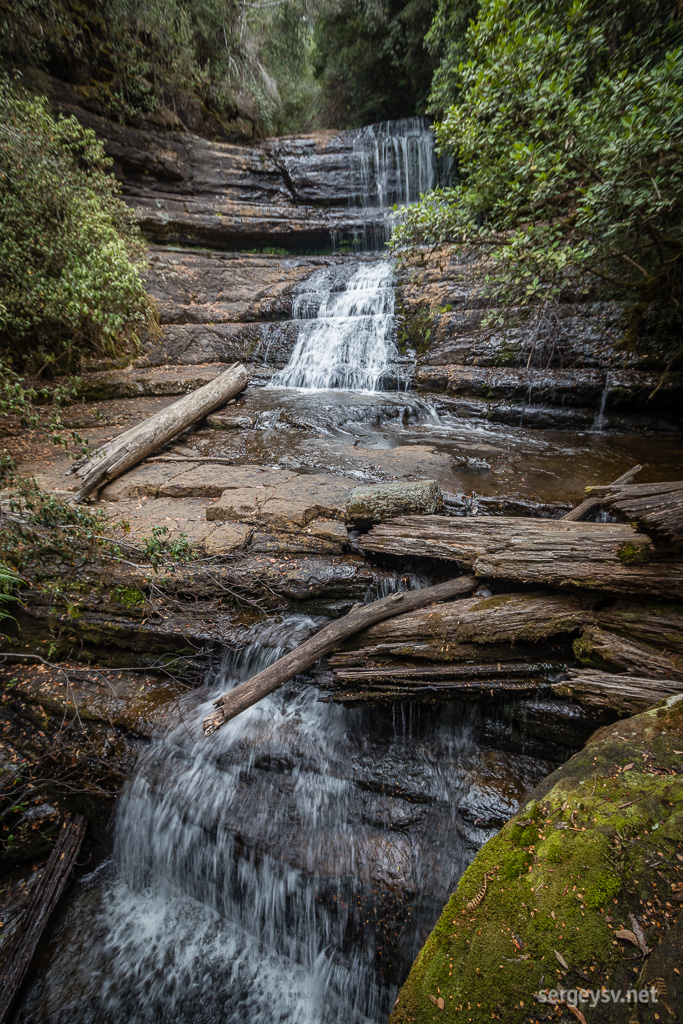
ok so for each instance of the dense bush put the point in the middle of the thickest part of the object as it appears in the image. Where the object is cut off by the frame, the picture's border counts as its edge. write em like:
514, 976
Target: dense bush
69, 254
371, 60
568, 133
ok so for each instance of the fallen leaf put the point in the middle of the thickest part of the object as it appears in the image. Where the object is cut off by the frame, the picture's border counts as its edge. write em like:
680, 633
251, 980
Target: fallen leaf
440, 1003
577, 1013
639, 934
624, 933
627, 766
562, 960
433, 998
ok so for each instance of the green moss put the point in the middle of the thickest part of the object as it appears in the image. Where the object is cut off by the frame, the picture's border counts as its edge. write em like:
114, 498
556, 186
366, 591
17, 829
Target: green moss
565, 874
634, 554
129, 597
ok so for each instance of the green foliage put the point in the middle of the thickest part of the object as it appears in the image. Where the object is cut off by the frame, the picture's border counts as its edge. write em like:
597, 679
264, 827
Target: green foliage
446, 42
371, 60
568, 132
159, 548
69, 256
10, 581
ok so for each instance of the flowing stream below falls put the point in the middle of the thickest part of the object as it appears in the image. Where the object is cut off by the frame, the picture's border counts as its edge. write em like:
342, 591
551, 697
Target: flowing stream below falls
288, 869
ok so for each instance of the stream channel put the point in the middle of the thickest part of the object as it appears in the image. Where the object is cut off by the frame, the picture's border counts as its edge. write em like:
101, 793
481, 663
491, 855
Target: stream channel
288, 869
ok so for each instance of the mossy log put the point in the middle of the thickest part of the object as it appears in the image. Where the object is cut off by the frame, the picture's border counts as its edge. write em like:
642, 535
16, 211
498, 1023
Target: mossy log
623, 693
655, 508
611, 557
597, 648
456, 632
129, 448
591, 504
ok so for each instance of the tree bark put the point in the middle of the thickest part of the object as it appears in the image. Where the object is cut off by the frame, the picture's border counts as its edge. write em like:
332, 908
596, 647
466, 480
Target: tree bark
619, 692
648, 622
129, 448
600, 649
44, 899
501, 628
589, 505
253, 690
610, 557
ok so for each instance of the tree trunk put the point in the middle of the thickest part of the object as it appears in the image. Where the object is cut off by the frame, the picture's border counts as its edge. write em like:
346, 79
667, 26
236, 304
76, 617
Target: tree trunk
559, 553
43, 901
626, 694
591, 504
648, 622
475, 629
253, 690
621, 654
129, 448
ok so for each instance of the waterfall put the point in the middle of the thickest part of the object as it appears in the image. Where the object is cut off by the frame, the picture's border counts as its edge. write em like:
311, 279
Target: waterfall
346, 338
396, 160
283, 871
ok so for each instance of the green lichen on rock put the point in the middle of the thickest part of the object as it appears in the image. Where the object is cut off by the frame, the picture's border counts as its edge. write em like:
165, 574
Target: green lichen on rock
600, 840
129, 597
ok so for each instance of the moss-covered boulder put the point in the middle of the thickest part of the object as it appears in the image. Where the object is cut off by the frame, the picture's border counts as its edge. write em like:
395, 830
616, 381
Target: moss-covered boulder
582, 897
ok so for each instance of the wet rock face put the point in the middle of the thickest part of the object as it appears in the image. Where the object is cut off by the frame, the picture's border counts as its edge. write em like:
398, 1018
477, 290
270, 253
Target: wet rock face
583, 885
295, 193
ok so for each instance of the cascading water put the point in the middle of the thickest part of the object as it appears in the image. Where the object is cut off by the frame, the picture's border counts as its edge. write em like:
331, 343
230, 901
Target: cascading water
284, 871
350, 341
396, 160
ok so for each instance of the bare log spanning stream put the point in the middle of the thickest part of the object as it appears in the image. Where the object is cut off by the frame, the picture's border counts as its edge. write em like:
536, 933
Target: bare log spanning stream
129, 448
360, 617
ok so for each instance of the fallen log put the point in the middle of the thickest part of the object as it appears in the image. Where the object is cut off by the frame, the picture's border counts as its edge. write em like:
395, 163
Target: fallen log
591, 504
648, 622
44, 899
312, 650
129, 448
659, 514
599, 649
610, 557
619, 692
501, 628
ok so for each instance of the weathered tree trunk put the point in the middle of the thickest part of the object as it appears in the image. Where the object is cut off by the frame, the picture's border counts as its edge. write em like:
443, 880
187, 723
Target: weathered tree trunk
133, 445
591, 504
475, 628
43, 901
658, 512
648, 622
602, 556
621, 654
253, 690
446, 680
623, 693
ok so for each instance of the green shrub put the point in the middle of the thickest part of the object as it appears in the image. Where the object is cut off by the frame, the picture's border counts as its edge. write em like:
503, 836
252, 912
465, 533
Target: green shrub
69, 253
567, 128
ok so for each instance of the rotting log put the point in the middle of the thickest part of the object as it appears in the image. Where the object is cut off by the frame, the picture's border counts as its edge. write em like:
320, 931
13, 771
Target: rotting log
598, 648
458, 631
649, 622
619, 692
44, 899
491, 678
312, 650
129, 448
659, 514
591, 504
610, 557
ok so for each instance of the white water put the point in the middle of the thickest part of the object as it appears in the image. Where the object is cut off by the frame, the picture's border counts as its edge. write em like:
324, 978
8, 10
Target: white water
265, 875
350, 343
397, 161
